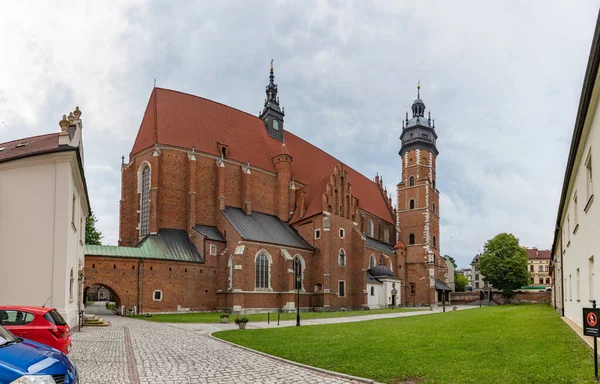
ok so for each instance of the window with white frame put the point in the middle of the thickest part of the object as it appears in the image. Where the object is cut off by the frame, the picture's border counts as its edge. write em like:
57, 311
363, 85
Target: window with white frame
145, 202
341, 288
213, 250
342, 233
317, 233
342, 258
157, 295
372, 291
262, 270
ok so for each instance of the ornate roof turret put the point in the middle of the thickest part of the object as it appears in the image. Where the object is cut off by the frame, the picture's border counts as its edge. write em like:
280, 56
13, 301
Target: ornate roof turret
272, 113
419, 131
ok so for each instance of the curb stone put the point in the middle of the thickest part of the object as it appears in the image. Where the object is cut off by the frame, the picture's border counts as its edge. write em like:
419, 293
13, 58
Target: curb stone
320, 370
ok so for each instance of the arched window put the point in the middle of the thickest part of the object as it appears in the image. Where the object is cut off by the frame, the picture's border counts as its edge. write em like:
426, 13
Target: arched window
342, 258
372, 291
230, 277
298, 271
276, 124
391, 265
411, 181
71, 280
433, 207
262, 270
145, 201
386, 235
370, 229
434, 241
411, 239
372, 261
412, 204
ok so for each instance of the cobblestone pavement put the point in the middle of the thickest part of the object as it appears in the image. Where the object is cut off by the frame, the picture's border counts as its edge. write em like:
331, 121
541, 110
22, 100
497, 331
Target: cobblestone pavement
137, 351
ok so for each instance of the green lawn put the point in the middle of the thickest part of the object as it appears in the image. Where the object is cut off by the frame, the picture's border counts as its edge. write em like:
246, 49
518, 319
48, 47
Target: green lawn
502, 344
214, 317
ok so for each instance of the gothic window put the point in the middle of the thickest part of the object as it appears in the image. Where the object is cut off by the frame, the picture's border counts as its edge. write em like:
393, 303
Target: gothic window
342, 258
145, 202
262, 270
276, 124
372, 261
412, 204
370, 228
411, 239
230, 277
372, 291
411, 181
386, 235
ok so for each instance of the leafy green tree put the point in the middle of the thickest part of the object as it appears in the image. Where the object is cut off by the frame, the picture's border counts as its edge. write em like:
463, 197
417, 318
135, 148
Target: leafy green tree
504, 263
448, 257
92, 235
460, 282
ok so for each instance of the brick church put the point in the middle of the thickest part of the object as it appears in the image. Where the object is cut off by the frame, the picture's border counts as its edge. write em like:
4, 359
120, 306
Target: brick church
223, 210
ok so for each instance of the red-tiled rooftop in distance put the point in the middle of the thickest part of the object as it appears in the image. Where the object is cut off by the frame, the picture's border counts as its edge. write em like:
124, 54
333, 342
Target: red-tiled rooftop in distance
35, 145
534, 253
184, 120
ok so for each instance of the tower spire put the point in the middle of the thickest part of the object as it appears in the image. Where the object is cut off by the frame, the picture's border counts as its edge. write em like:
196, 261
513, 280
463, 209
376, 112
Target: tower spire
418, 88
272, 113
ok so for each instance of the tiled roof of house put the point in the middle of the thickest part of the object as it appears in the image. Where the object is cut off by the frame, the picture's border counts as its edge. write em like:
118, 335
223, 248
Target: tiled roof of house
167, 244
183, 120
29, 146
538, 254
264, 228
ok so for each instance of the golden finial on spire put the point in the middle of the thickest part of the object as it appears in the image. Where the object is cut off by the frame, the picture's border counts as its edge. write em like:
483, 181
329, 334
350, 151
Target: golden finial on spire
419, 89
271, 64
64, 124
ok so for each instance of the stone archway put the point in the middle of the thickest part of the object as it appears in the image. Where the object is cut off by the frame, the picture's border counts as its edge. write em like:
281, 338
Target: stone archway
94, 292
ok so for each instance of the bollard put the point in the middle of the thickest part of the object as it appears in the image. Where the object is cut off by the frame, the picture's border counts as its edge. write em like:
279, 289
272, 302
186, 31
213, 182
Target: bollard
268, 317
278, 315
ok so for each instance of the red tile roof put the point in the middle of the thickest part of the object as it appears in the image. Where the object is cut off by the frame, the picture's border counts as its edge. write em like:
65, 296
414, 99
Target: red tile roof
32, 146
534, 253
184, 120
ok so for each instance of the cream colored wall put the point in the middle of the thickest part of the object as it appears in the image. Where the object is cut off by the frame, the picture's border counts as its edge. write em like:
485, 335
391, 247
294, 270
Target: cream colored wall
38, 245
584, 244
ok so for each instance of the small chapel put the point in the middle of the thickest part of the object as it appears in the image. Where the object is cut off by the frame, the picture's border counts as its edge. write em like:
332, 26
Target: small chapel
224, 210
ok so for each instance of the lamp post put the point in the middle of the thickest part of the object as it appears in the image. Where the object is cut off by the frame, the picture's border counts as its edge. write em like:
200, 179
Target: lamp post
298, 278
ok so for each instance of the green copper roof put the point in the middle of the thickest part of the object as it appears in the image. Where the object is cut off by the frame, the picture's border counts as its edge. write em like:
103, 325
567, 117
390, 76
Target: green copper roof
167, 244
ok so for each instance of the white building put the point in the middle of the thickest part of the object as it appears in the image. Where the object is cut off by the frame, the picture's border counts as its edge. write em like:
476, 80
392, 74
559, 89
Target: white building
44, 206
382, 287
576, 242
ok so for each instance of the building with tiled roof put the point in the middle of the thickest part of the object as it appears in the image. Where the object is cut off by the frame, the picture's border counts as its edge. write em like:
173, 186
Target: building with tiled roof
538, 265
262, 206
44, 205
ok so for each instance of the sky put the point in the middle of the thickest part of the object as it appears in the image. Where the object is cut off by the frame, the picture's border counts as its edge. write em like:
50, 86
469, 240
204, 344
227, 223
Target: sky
502, 80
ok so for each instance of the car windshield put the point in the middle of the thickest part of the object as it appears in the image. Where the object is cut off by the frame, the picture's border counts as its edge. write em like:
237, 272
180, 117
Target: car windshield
6, 337
55, 318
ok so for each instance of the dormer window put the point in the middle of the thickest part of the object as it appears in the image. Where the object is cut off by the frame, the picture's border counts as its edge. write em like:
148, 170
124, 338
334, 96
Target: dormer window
223, 150
276, 124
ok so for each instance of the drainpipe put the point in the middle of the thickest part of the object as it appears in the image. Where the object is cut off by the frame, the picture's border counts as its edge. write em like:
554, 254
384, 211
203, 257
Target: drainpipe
138, 285
562, 284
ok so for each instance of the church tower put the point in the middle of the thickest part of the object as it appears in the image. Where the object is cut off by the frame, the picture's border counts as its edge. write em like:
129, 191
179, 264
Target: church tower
272, 114
418, 207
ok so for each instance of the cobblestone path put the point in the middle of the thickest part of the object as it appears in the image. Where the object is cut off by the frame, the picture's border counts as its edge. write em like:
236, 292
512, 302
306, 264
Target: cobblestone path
136, 351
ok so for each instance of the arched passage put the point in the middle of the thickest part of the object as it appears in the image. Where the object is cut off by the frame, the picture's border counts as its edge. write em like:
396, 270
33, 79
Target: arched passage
101, 292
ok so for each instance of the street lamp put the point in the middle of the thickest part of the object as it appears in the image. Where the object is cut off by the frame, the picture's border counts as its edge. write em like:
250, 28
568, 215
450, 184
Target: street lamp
298, 278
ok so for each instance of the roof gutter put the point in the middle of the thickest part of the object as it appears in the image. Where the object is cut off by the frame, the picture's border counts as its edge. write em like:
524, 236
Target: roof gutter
582, 111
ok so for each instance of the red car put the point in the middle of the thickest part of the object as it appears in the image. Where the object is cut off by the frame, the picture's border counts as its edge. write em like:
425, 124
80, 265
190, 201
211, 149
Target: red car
44, 325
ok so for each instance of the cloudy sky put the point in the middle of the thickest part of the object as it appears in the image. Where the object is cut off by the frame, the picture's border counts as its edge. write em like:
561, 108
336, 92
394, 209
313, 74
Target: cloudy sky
502, 80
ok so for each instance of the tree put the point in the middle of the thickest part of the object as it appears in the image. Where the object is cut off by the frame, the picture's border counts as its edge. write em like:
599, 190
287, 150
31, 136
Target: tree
92, 235
504, 263
448, 257
460, 282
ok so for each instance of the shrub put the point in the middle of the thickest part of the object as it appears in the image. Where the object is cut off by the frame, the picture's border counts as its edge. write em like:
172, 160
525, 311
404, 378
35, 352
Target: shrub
241, 320
224, 315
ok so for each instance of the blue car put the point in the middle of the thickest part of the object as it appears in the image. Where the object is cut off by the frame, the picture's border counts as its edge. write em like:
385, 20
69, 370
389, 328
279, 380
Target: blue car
27, 362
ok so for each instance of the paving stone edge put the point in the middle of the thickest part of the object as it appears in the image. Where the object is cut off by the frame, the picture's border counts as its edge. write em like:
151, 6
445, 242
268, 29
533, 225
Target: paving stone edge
321, 370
